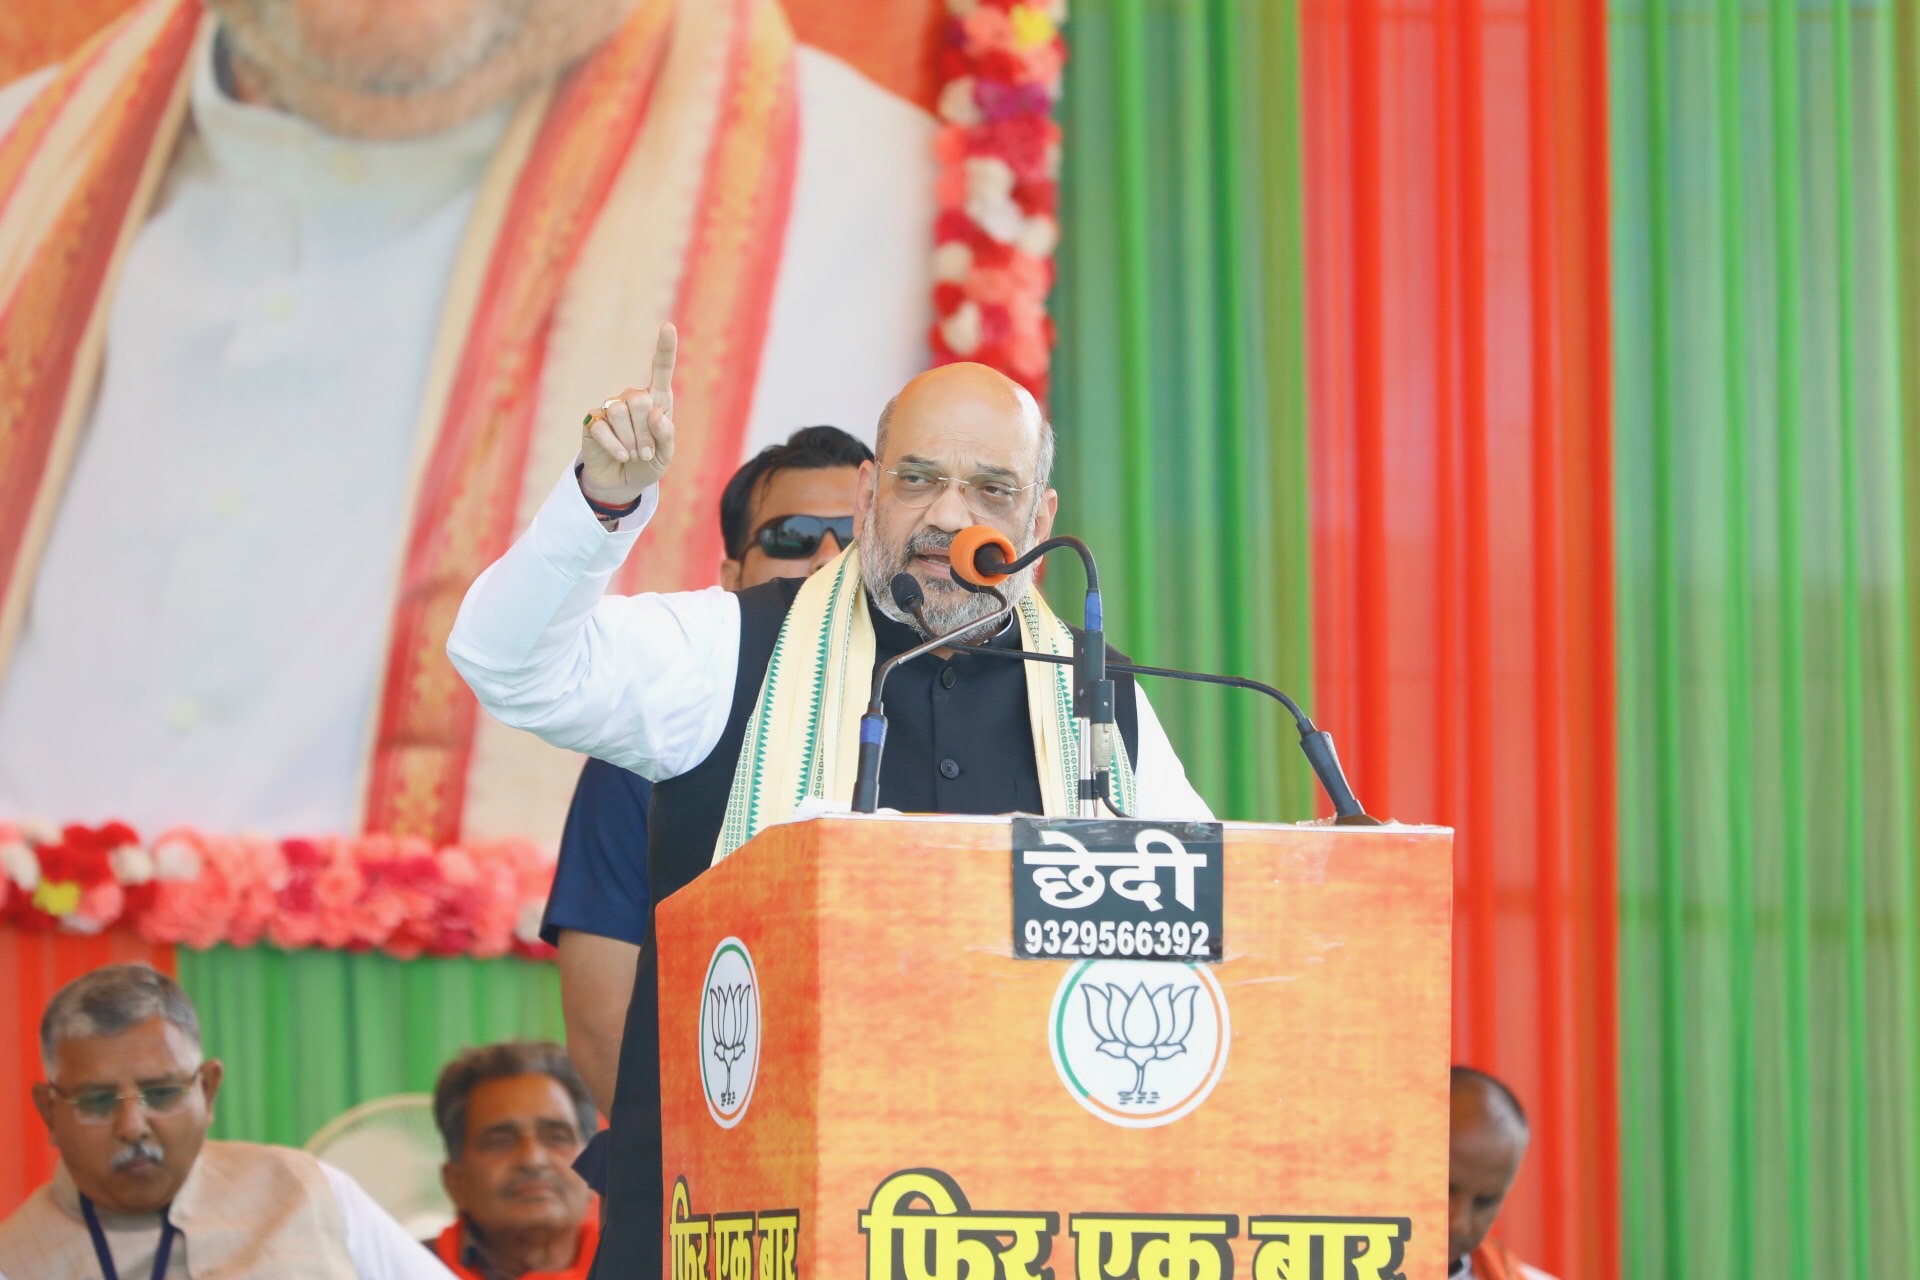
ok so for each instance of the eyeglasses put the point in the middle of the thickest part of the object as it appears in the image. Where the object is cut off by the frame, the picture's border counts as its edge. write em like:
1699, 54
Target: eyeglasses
97, 1106
986, 494
797, 537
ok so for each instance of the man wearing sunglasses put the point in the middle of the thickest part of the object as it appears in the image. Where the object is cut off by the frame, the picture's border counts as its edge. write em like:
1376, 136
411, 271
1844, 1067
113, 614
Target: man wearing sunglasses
786, 511
669, 684
140, 1192
789, 509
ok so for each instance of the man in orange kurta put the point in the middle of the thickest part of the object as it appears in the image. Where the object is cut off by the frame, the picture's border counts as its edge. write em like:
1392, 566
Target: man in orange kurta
1488, 1142
514, 1117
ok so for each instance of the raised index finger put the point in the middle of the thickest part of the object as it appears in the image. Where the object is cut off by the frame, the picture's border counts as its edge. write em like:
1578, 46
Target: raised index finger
663, 354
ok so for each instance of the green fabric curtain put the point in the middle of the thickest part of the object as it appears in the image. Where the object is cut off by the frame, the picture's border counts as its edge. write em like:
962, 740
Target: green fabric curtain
1767, 850
1180, 379
350, 1027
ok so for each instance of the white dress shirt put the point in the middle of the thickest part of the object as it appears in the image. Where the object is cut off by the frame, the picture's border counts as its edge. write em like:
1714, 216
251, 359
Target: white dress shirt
646, 682
207, 630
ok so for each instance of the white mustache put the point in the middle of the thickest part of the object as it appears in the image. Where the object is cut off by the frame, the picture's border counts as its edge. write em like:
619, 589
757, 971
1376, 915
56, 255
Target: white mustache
138, 1151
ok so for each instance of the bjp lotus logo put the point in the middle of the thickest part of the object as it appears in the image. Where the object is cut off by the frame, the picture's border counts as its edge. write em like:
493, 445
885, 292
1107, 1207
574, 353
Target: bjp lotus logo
1139, 1043
730, 1033
729, 1010
1140, 1028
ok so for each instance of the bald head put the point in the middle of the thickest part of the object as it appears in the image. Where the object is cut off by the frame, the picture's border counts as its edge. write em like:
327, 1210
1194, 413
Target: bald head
1488, 1139
1486, 1098
960, 445
972, 399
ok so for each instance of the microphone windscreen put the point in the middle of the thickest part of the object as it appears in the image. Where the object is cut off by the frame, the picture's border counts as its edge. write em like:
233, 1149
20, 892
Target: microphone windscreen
906, 592
965, 554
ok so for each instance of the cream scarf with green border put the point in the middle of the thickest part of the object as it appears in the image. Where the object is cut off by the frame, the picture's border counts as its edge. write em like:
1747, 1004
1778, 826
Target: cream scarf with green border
804, 737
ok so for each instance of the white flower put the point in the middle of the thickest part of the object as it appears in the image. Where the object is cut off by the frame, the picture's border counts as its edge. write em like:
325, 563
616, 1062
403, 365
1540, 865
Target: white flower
176, 860
39, 831
957, 104
1000, 219
989, 178
20, 865
961, 330
1039, 237
131, 864
990, 198
952, 261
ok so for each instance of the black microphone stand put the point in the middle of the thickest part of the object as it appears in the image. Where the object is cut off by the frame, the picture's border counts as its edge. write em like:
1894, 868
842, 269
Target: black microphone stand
1315, 743
1092, 687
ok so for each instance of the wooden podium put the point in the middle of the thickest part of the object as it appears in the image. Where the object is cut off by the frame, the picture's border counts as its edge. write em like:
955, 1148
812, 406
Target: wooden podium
859, 1077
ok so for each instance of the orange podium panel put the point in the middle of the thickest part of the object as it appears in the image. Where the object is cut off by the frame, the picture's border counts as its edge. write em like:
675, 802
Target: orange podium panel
861, 1079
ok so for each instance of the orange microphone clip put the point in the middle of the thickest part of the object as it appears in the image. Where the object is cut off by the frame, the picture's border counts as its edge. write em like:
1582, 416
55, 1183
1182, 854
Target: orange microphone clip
965, 552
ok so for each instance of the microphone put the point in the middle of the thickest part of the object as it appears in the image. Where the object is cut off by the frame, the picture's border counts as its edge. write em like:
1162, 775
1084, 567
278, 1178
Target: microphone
982, 555
873, 723
1315, 743
908, 596
979, 556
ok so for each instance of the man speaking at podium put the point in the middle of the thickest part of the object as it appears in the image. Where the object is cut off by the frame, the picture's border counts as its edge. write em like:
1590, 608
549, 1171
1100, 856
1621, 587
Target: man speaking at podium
683, 687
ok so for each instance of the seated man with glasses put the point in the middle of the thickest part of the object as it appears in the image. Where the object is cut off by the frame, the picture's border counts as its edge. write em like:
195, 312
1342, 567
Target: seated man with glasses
668, 685
140, 1192
786, 511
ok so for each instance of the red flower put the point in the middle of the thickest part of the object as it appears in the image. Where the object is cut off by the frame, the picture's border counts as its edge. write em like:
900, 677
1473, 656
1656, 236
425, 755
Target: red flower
1024, 142
995, 328
952, 224
1037, 198
989, 254
1000, 67
81, 855
946, 296
950, 144
987, 28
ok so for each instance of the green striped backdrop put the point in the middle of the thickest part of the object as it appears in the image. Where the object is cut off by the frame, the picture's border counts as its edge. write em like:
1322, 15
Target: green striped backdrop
1180, 378
1766, 718
307, 1034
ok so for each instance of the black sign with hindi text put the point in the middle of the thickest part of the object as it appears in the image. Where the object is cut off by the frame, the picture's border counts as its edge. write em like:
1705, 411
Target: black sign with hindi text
1116, 889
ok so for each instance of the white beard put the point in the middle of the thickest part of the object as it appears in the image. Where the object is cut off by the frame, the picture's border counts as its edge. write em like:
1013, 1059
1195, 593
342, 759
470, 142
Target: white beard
948, 605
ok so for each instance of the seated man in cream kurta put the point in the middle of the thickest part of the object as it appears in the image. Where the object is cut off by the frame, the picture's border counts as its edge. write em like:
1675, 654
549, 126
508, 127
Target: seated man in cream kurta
140, 1192
294, 293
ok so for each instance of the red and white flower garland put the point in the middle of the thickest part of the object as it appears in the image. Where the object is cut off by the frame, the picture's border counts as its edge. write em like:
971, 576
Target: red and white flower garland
361, 893
999, 153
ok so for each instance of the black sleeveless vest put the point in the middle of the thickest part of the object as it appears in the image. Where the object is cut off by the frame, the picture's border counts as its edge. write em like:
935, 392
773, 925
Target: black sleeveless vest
958, 741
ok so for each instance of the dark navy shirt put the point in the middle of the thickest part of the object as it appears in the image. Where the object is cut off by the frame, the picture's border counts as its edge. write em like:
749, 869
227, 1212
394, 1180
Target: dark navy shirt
600, 885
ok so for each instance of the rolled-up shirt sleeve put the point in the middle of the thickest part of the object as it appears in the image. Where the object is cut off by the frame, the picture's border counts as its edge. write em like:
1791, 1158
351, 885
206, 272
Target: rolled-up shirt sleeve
644, 682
